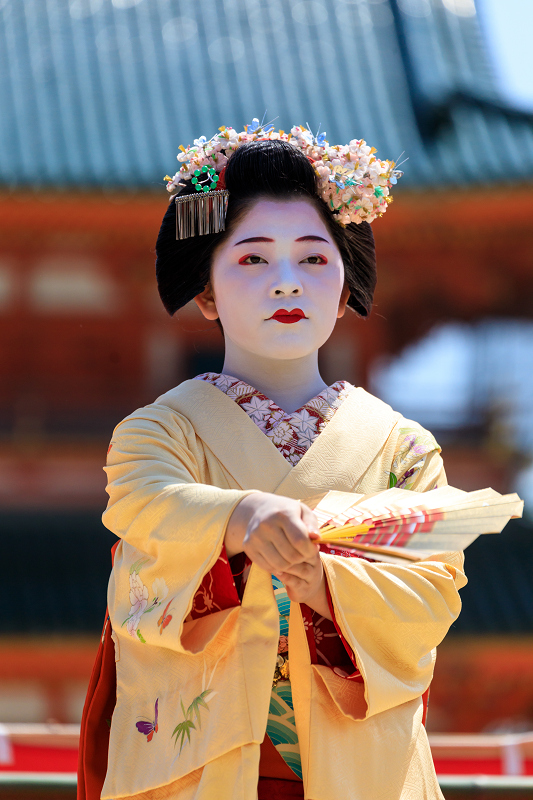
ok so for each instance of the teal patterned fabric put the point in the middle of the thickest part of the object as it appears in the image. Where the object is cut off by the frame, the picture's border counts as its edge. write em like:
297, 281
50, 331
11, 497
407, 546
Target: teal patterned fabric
281, 725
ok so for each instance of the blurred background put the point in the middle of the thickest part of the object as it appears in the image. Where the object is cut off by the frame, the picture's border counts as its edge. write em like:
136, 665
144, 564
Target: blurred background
95, 98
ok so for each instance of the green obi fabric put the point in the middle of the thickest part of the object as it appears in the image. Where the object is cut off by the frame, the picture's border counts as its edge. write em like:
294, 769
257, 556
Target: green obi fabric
281, 725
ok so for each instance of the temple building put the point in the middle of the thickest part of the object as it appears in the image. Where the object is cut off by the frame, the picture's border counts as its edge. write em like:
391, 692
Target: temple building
96, 96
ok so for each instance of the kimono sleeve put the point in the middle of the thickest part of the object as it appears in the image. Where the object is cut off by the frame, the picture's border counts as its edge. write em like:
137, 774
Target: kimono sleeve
392, 617
417, 463
172, 526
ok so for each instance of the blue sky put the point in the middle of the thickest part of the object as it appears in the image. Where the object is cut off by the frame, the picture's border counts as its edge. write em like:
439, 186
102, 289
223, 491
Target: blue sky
509, 28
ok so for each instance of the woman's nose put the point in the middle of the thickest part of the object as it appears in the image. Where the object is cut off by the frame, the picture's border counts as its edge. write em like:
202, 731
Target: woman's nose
287, 283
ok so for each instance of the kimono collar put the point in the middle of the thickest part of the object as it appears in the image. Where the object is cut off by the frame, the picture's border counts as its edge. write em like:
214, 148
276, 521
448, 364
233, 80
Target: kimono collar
292, 433
337, 459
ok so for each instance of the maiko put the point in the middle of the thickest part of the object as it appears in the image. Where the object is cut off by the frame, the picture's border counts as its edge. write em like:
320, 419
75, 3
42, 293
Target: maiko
239, 660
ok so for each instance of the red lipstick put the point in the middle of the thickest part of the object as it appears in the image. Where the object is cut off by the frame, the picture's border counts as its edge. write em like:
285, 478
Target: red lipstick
288, 317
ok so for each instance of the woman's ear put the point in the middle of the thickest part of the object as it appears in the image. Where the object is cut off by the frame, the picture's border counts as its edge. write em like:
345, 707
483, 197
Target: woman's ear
345, 296
206, 303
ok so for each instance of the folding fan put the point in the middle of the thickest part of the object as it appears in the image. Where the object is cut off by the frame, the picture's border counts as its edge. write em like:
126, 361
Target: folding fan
399, 524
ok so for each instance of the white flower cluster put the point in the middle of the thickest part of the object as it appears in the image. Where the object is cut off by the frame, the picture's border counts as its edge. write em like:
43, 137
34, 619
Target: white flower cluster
351, 180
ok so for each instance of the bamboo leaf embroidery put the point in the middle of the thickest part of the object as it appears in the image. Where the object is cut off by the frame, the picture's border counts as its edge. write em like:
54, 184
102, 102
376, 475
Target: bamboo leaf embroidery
195, 707
183, 729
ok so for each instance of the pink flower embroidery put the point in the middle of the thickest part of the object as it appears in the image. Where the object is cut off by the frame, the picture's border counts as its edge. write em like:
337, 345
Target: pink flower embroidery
138, 601
159, 590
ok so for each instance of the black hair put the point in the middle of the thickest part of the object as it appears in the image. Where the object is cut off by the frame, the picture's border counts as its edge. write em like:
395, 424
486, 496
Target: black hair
261, 169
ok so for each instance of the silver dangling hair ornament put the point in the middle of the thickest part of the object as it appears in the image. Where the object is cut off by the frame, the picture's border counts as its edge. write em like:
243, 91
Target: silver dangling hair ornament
203, 212
199, 214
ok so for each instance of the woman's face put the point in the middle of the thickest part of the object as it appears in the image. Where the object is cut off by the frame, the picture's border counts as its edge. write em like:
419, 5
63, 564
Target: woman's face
277, 282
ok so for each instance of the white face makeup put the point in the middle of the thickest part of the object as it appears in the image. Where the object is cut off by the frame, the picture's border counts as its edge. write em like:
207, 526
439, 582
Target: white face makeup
277, 282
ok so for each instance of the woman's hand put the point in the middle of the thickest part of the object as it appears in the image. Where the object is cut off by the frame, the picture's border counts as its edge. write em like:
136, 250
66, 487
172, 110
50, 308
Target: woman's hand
279, 535
306, 583
274, 532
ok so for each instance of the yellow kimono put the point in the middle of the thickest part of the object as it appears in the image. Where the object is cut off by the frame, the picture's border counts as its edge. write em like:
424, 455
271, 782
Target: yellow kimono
176, 470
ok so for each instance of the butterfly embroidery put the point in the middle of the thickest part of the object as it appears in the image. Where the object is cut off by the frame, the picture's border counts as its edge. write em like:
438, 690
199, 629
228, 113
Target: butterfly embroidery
147, 727
165, 618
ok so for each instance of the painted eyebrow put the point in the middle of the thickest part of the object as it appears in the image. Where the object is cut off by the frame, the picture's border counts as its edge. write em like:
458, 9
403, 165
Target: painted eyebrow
254, 239
266, 239
312, 239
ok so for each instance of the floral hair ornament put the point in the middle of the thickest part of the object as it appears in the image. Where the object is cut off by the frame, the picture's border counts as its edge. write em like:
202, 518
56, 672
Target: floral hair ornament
350, 179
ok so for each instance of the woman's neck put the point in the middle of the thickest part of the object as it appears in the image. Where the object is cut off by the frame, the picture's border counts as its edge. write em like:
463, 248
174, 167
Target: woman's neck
288, 383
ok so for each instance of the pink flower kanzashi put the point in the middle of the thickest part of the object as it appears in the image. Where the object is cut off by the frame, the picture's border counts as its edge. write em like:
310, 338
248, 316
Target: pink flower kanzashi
357, 158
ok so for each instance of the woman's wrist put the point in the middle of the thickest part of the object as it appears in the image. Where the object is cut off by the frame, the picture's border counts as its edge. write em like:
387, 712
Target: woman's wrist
319, 600
237, 525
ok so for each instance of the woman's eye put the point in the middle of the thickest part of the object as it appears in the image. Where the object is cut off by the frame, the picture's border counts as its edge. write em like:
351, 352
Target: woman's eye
315, 260
252, 260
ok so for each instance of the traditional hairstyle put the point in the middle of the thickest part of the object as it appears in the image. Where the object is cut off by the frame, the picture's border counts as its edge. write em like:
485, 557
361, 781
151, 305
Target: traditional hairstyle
260, 169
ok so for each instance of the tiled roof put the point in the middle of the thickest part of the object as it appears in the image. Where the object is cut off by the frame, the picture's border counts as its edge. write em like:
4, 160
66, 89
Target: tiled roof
102, 92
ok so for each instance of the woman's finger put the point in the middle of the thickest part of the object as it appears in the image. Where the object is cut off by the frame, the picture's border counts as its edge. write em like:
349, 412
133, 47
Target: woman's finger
269, 539
296, 588
304, 570
270, 553
285, 547
297, 534
309, 519
258, 559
